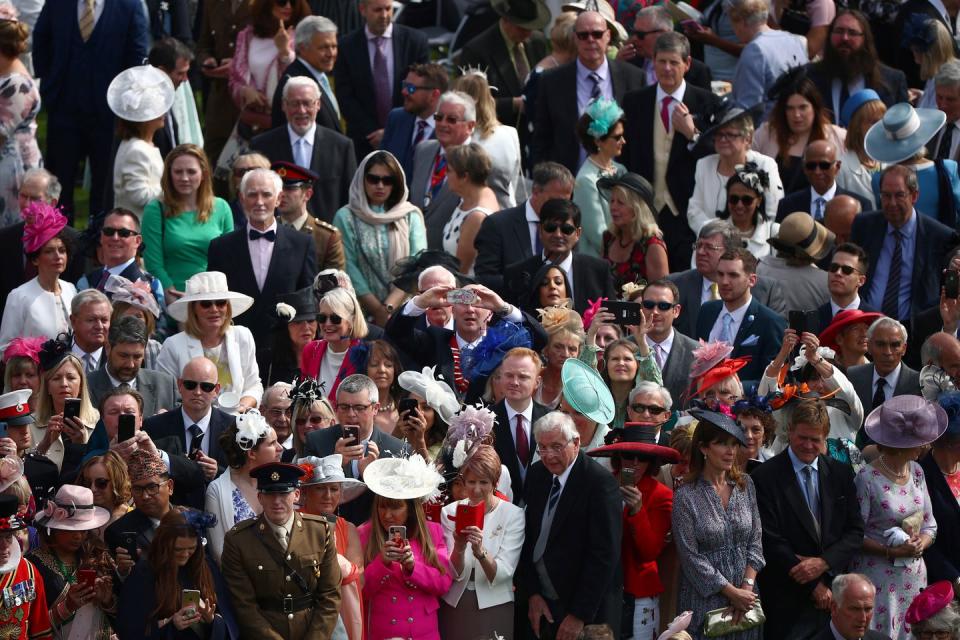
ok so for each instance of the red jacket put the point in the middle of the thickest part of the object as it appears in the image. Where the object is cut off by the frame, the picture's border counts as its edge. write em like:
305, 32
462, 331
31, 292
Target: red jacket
644, 538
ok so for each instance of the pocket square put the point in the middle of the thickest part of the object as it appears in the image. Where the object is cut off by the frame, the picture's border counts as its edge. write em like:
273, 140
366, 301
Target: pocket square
751, 341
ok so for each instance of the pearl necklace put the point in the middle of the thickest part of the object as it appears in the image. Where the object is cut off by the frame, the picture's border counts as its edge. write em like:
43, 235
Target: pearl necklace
898, 476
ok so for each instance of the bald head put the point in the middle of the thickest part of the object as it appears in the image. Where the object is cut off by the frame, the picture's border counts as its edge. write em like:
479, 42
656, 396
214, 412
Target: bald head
943, 350
200, 368
839, 214
820, 149
198, 387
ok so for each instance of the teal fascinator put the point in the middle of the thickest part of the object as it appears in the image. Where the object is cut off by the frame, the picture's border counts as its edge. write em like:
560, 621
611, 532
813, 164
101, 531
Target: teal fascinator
604, 114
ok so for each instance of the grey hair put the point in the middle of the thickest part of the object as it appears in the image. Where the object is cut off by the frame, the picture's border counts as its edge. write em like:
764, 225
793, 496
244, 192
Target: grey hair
750, 12
269, 173
947, 619
546, 172
844, 581
127, 330
273, 390
429, 271
672, 42
646, 386
909, 175
460, 98
552, 422
731, 236
879, 323
930, 352
948, 75
658, 16
85, 297
298, 82
311, 26
358, 383
53, 184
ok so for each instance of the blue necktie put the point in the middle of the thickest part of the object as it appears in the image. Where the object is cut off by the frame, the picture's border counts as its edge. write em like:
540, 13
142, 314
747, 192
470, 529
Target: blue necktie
813, 498
725, 329
554, 495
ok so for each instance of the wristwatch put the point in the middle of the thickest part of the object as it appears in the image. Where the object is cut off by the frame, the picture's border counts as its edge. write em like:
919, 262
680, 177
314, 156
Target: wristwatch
505, 309
749, 581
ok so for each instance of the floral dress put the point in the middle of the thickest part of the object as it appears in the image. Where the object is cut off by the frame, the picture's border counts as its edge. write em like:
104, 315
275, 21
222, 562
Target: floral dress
19, 106
241, 510
883, 505
634, 269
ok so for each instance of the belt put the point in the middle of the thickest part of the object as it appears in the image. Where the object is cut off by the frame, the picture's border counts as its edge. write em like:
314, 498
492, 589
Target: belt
289, 604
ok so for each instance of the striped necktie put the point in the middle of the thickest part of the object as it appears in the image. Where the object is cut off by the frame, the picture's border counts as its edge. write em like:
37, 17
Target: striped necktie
86, 20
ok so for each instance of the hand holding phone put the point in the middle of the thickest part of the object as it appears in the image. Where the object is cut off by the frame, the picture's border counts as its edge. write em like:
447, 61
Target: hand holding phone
352, 433
628, 477
87, 577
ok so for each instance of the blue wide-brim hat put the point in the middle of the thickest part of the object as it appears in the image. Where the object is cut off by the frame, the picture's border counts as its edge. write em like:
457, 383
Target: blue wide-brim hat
902, 132
853, 104
586, 392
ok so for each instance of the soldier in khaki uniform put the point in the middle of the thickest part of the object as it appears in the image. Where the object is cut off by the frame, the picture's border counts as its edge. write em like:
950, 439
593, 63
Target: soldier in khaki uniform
281, 567
297, 191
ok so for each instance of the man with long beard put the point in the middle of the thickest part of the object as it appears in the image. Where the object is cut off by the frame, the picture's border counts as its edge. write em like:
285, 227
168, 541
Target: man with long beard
850, 63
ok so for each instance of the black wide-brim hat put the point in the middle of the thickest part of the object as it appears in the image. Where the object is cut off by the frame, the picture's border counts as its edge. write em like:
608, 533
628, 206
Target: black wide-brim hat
302, 302
721, 421
526, 14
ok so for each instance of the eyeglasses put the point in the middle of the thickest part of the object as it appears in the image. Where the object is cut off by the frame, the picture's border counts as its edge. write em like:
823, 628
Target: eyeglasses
302, 104
847, 33
206, 304
553, 449
644, 34
746, 200
191, 385
333, 318
409, 87
566, 228
386, 181
619, 137
846, 269
823, 165
278, 413
652, 409
354, 408
100, 483
728, 135
706, 246
650, 305
441, 117
899, 195
147, 490
123, 233
587, 35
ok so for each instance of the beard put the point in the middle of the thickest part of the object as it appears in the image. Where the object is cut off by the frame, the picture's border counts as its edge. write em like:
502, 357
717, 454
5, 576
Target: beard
848, 67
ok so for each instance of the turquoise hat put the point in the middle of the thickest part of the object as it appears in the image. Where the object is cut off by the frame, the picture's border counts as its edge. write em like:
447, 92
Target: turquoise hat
586, 392
902, 132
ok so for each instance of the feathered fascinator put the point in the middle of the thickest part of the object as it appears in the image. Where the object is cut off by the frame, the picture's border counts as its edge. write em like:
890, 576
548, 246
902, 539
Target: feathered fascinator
680, 623
801, 360
631, 290
593, 307
43, 222
359, 355
8, 13
24, 348
468, 430
437, 393
251, 426
499, 339
798, 393
786, 85
305, 392
752, 401
54, 351
136, 294
707, 356
200, 522
753, 176
919, 32
403, 478
935, 381
603, 114
285, 311
560, 318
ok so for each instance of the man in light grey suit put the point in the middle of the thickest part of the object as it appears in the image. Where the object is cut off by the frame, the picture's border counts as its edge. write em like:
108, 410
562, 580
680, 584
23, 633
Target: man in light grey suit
672, 350
715, 238
455, 120
126, 345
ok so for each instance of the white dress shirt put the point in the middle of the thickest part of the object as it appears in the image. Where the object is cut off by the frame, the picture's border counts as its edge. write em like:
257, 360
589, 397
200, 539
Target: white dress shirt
705, 293
527, 425
737, 315
855, 304
204, 424
827, 197
94, 356
891, 378
114, 383
307, 141
664, 346
533, 224
261, 251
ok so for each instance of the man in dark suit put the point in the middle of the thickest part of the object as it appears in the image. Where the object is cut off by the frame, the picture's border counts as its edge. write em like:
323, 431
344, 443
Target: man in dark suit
887, 376
264, 259
738, 318
820, 166
660, 127
370, 68
316, 43
514, 233
943, 556
811, 526
172, 57
568, 566
572, 86
304, 143
126, 345
357, 404
846, 274
851, 610
907, 250
696, 286
946, 144
413, 123
672, 350
850, 56
560, 230
78, 56
651, 22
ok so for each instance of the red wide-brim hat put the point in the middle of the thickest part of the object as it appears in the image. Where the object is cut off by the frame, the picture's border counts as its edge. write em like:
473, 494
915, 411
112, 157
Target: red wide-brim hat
640, 438
828, 337
720, 372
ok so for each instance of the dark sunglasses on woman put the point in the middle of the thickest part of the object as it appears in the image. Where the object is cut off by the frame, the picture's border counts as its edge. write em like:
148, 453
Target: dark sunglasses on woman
333, 318
206, 304
386, 181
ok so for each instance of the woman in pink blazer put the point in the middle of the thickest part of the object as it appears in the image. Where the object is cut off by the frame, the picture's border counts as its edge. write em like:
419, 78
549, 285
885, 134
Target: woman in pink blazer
407, 567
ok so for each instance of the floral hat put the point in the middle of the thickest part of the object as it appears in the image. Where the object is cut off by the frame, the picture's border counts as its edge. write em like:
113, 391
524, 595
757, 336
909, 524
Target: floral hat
328, 470
53, 351
24, 348
140, 94
251, 426
136, 294
604, 113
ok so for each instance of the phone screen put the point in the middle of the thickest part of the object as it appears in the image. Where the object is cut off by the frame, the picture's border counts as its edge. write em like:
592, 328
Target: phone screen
951, 284
87, 577
398, 533
191, 597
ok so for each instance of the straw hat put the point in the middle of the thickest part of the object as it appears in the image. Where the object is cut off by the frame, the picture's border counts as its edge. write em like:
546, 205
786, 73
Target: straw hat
208, 285
801, 235
140, 94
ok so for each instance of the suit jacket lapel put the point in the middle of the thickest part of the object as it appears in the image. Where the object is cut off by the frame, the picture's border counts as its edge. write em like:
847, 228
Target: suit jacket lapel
567, 497
826, 495
522, 230
247, 279
508, 73
747, 325
277, 273
795, 498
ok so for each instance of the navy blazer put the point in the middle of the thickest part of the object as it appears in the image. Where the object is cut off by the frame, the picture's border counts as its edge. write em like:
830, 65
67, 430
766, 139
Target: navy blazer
75, 73
934, 241
759, 321
398, 138
943, 556
892, 88
825, 314
503, 443
502, 240
801, 201
326, 115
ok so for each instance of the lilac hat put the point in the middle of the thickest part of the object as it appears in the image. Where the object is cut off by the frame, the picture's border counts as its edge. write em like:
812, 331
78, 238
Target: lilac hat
72, 509
903, 422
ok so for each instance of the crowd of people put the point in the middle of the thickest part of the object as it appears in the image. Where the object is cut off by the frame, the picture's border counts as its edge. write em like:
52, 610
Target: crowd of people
613, 319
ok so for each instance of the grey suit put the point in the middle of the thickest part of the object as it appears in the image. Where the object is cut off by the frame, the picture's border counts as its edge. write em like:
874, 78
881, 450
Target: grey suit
676, 370
158, 388
690, 282
861, 377
438, 212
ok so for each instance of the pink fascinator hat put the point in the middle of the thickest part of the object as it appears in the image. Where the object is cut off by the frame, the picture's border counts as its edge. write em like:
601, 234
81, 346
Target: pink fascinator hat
24, 348
43, 222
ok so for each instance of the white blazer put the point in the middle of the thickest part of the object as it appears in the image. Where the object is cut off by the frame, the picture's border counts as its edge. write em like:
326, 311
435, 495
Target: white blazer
710, 192
137, 171
219, 502
502, 539
31, 311
181, 348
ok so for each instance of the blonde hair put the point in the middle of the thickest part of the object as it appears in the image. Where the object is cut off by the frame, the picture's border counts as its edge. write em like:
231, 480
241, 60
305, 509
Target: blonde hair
644, 223
940, 52
344, 303
172, 206
320, 405
116, 471
88, 415
562, 36
476, 86
192, 326
861, 120
416, 530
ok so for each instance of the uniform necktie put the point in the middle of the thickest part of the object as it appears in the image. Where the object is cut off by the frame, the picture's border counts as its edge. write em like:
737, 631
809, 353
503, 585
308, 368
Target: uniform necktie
946, 142
813, 498
891, 295
714, 291
86, 20
421, 132
818, 214
665, 112
596, 92
523, 445
196, 439
520, 62
726, 328
381, 81
282, 537
879, 397
300, 153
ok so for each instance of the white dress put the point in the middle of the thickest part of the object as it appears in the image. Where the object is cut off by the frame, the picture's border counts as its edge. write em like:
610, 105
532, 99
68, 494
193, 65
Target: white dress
710, 192
137, 170
31, 311
451, 231
506, 178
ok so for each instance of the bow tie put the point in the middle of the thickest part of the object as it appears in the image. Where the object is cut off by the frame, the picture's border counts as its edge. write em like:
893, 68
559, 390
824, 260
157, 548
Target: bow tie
269, 236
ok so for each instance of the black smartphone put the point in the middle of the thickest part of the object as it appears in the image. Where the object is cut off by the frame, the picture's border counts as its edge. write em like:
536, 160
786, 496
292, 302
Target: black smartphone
128, 540
71, 408
126, 427
352, 433
803, 321
951, 283
628, 477
407, 404
626, 314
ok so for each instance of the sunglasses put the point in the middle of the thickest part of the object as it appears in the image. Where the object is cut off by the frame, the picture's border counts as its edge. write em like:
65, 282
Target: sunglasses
652, 409
100, 483
634, 457
439, 117
386, 181
206, 387
206, 304
650, 305
409, 87
746, 200
566, 228
318, 420
587, 35
281, 3
823, 165
333, 318
123, 233
846, 269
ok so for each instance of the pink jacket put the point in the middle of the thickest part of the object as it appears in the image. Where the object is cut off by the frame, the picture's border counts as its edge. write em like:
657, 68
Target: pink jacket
240, 76
402, 606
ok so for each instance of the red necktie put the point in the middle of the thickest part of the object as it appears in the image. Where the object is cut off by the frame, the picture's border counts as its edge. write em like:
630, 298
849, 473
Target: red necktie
665, 112
523, 445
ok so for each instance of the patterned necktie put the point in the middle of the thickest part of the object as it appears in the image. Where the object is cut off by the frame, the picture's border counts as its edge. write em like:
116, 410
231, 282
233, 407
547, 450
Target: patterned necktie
725, 330
596, 92
554, 494
660, 356
520, 62
381, 81
818, 214
86, 20
421, 132
196, 438
437, 178
891, 295
523, 445
665, 112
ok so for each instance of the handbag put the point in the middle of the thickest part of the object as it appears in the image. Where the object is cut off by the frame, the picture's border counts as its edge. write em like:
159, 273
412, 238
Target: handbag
719, 622
256, 120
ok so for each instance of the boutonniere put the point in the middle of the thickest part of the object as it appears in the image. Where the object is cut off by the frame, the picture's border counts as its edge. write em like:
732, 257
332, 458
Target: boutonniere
749, 318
